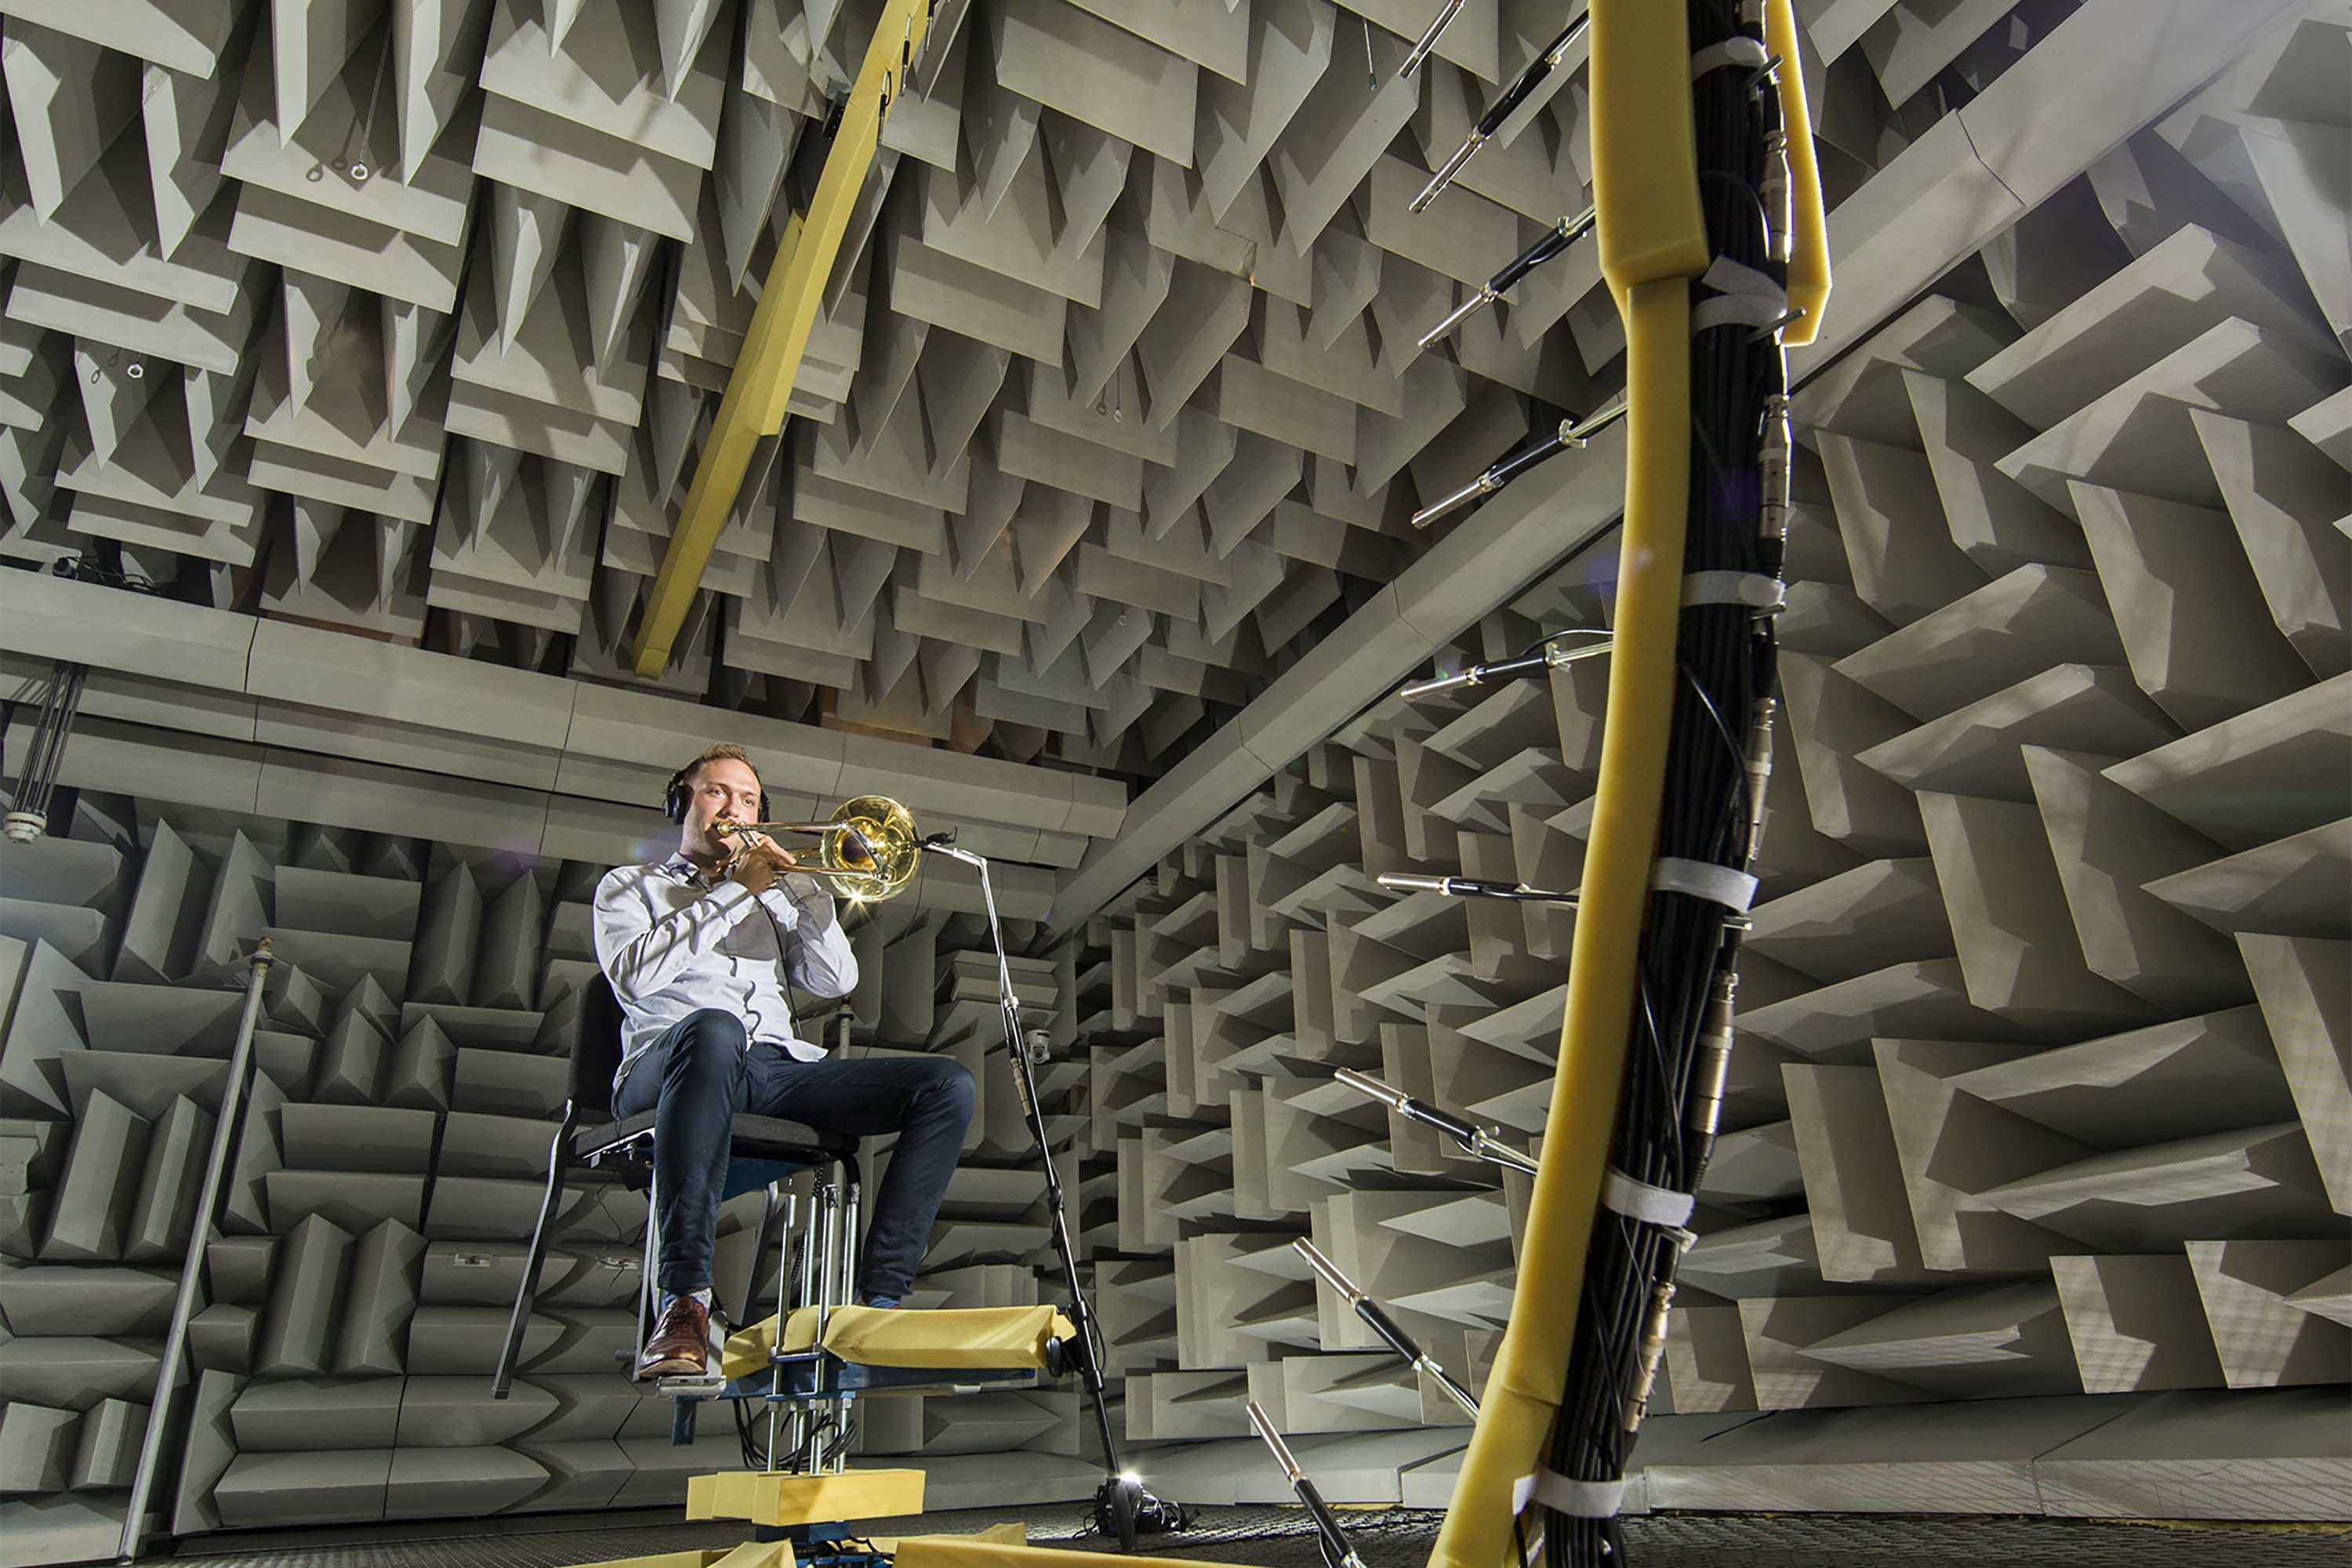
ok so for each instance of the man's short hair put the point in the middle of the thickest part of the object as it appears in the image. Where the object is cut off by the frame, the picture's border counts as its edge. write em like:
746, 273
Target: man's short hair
722, 752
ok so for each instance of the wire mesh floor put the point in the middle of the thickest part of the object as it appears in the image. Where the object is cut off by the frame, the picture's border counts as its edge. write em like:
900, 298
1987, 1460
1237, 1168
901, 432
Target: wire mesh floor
1386, 1538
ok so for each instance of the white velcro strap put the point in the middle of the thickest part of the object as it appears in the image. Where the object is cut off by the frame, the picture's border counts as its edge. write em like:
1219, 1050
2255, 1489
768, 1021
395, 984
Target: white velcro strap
1743, 297
1736, 310
1725, 276
1643, 1203
1750, 590
1577, 1499
1735, 890
1732, 51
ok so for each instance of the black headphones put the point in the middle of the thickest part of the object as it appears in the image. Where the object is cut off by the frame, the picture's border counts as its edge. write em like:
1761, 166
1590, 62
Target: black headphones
674, 794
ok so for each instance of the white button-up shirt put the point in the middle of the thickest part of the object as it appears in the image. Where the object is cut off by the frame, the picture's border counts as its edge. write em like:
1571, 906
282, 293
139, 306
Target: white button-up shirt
673, 943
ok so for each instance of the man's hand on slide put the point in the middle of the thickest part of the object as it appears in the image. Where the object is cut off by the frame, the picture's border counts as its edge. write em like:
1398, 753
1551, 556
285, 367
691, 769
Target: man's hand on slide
760, 865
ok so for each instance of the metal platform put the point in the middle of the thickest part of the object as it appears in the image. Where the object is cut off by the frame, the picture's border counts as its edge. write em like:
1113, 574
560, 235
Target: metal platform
1396, 1538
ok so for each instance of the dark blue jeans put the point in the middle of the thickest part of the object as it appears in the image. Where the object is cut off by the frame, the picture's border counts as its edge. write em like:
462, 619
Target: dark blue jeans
699, 1076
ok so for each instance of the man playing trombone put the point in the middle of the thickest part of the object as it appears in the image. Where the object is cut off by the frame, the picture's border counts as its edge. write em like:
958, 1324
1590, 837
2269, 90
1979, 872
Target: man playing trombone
700, 950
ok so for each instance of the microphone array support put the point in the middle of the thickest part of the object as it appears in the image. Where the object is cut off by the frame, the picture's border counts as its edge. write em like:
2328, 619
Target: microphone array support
1709, 296
1707, 205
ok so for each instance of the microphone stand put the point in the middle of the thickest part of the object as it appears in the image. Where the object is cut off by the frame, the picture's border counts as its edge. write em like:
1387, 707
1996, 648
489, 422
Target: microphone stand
1121, 1503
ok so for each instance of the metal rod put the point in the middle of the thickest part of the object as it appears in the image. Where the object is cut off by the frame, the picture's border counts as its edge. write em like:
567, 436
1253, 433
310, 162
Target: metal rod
202, 1224
1082, 1315
1428, 39
850, 1204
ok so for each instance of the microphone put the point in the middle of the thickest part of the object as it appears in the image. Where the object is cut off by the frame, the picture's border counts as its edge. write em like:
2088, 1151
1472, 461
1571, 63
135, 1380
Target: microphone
1522, 87
1562, 235
1338, 1549
1476, 1140
1039, 1045
939, 840
1551, 657
1472, 888
1572, 432
1376, 1318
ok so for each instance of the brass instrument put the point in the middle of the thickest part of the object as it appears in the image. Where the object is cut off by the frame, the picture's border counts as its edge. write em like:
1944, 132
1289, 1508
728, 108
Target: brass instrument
869, 846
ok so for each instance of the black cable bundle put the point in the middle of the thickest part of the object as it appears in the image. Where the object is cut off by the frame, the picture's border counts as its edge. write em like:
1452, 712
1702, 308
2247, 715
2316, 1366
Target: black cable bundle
1718, 753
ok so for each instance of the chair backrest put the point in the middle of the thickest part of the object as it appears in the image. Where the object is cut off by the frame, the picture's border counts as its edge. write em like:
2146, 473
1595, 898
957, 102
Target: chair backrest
595, 1047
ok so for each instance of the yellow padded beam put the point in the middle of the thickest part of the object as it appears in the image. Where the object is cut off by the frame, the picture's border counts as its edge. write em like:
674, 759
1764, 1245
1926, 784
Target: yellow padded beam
761, 381
1645, 187
949, 1340
768, 1498
1645, 147
1809, 251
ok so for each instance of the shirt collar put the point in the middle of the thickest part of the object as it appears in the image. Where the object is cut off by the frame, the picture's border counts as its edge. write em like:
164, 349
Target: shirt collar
679, 866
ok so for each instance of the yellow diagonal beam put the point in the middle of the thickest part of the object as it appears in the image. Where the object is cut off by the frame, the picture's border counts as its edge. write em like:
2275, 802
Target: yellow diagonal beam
761, 383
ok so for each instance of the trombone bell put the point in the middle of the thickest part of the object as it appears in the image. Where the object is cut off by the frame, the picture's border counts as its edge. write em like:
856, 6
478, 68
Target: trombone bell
867, 849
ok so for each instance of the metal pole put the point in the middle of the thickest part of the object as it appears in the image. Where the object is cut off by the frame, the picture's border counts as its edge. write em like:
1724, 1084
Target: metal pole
1090, 1350
200, 1236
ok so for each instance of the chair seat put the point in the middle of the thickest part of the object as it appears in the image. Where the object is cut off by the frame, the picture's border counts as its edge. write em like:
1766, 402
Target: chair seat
752, 1138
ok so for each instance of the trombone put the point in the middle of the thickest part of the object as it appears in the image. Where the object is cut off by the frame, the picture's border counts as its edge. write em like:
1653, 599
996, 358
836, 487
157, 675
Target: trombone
868, 848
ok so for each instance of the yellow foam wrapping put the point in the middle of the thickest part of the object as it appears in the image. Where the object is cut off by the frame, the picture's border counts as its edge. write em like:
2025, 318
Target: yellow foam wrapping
1644, 148
969, 1552
1808, 249
1645, 187
778, 1497
969, 1338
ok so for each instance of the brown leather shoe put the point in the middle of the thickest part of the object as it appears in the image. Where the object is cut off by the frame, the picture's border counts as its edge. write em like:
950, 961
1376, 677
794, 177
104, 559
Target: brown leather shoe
680, 1345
